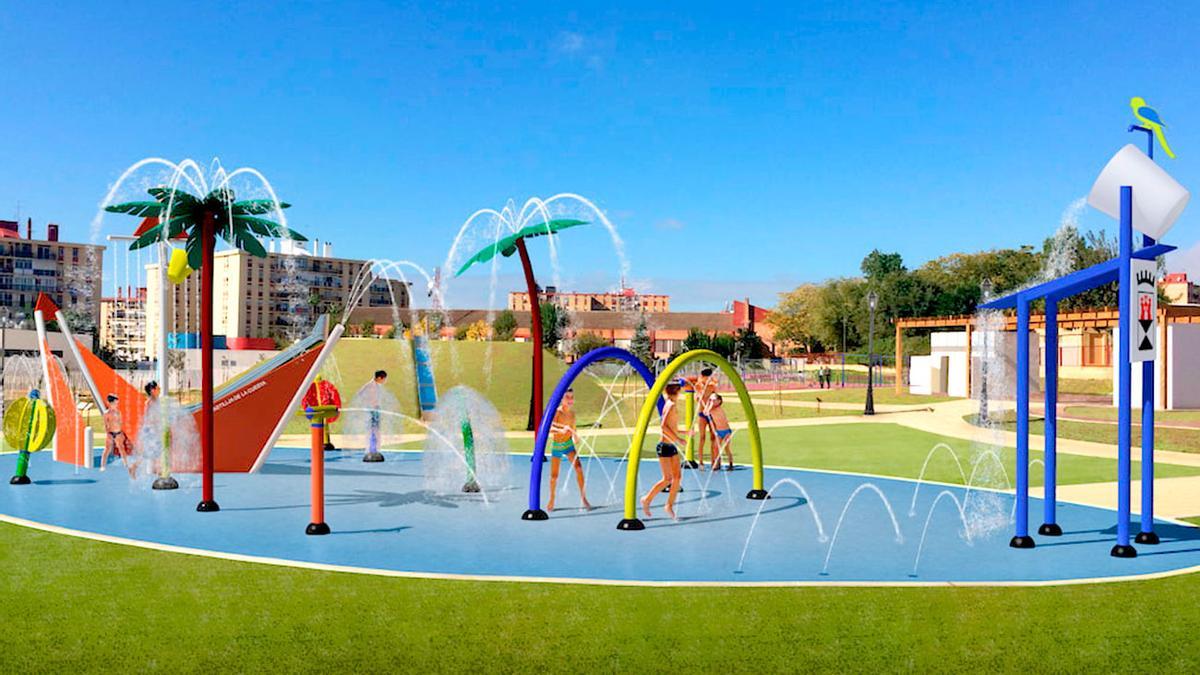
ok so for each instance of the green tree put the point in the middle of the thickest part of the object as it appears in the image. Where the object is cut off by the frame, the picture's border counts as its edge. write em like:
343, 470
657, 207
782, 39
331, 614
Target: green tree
478, 331
504, 326
748, 345
641, 345
586, 342
554, 324
697, 339
1072, 251
878, 265
795, 320
724, 344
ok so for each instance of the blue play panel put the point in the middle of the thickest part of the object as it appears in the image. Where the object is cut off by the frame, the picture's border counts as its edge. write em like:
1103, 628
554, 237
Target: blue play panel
383, 518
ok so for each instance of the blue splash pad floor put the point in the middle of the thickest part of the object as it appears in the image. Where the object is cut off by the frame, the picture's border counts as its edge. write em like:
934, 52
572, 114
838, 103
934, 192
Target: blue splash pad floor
383, 519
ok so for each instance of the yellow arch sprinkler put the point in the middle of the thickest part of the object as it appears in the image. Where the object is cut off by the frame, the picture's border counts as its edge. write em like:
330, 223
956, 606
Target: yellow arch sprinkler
630, 521
28, 426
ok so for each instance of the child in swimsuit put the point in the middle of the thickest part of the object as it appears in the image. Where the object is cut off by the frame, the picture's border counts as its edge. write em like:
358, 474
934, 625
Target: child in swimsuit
705, 387
724, 434
668, 454
115, 439
562, 446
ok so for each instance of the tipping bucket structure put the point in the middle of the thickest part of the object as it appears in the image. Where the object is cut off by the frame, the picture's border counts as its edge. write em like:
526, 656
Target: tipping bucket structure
1159, 201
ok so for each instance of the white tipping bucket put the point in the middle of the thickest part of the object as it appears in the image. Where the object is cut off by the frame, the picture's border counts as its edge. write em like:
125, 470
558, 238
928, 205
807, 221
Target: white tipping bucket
1158, 199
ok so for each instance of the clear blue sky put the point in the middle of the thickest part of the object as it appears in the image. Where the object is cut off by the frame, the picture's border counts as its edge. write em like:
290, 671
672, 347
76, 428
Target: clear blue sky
739, 147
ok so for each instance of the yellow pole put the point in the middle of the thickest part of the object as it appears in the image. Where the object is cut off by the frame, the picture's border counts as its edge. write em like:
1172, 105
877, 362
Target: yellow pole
643, 422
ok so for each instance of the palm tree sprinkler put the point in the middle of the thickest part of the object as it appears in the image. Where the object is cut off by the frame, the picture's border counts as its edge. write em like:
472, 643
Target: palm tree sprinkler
201, 220
506, 246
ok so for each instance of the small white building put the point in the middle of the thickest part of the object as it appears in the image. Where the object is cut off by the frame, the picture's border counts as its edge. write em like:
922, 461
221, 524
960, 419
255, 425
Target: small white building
1176, 372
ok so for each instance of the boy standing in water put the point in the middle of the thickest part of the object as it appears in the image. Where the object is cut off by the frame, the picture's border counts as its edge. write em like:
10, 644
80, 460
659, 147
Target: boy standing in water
705, 387
115, 439
563, 437
668, 454
724, 434
376, 400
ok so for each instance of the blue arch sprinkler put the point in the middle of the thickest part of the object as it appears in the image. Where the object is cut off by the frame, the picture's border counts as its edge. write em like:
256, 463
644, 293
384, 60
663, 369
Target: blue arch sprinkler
1160, 202
535, 511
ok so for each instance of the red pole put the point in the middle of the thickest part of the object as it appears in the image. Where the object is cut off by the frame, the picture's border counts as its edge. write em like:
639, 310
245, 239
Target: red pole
317, 479
535, 315
207, 244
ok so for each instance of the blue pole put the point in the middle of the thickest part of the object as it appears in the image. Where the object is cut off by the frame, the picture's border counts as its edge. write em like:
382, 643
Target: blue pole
535, 511
1147, 535
1149, 138
1122, 549
1022, 539
1050, 527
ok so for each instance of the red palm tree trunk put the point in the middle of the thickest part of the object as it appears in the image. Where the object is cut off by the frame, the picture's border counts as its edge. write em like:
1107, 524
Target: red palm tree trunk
535, 320
207, 243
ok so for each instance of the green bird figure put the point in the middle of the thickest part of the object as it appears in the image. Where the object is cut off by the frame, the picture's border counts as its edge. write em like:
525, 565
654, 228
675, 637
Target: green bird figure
1149, 118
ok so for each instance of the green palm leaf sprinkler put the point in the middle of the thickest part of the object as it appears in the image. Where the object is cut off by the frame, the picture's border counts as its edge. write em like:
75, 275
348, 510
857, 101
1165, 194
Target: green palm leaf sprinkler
201, 220
506, 246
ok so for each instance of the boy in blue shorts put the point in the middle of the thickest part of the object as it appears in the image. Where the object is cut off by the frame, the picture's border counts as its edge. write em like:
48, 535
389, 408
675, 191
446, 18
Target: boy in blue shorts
562, 446
724, 434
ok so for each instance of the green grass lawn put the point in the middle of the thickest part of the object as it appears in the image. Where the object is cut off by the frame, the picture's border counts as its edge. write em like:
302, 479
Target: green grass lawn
1109, 413
74, 604
1084, 386
83, 605
886, 450
506, 385
1172, 440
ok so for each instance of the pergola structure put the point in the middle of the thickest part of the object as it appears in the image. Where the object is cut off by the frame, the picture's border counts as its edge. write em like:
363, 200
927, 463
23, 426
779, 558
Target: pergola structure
1099, 319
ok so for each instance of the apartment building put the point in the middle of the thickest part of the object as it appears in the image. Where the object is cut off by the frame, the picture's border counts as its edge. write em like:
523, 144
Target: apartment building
69, 273
1179, 290
123, 324
277, 296
625, 300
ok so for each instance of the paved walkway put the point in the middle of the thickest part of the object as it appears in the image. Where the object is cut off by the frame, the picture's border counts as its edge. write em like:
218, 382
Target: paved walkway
1173, 497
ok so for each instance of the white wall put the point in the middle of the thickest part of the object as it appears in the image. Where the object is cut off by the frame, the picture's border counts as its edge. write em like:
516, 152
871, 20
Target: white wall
1183, 366
953, 345
1004, 344
921, 375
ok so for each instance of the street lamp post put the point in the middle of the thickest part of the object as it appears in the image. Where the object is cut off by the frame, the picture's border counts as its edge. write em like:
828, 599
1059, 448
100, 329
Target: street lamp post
872, 302
985, 293
844, 319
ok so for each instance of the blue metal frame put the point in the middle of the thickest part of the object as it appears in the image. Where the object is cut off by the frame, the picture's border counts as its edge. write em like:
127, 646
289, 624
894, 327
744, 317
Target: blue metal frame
543, 432
1021, 538
1050, 457
1117, 269
1124, 370
1146, 533
1149, 138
